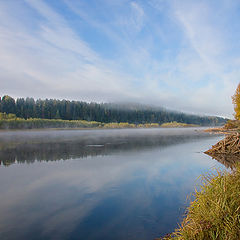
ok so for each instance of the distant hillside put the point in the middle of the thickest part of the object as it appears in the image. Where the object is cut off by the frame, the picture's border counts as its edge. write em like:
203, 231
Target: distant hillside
104, 112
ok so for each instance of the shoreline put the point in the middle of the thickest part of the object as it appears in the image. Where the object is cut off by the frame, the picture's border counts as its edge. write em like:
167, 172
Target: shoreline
26, 125
10, 121
214, 211
203, 128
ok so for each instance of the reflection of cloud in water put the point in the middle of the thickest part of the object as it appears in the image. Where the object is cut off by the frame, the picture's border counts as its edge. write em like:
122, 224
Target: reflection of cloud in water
138, 191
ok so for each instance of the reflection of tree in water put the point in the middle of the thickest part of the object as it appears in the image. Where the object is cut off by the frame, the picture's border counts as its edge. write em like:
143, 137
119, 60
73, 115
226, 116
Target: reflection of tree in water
228, 160
29, 152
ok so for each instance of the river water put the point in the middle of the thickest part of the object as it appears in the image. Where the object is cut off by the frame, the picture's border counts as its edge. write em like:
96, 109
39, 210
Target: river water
98, 184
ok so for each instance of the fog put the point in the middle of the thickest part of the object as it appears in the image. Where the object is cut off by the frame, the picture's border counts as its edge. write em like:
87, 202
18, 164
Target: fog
51, 145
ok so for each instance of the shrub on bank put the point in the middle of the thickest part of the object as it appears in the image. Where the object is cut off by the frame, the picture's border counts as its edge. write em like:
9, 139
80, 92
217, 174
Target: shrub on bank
19, 123
10, 121
119, 125
232, 124
149, 125
177, 124
4, 116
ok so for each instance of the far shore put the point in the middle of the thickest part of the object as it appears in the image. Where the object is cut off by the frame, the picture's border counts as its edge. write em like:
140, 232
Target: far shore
90, 128
206, 128
11, 122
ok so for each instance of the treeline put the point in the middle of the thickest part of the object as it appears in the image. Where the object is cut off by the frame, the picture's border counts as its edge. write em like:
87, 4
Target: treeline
107, 113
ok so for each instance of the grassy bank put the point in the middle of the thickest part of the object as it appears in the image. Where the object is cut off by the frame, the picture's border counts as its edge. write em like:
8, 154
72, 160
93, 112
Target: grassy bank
215, 211
177, 124
10, 121
32, 123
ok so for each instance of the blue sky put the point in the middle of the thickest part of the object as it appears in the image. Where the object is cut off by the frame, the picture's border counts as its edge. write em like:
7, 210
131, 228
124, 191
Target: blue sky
182, 55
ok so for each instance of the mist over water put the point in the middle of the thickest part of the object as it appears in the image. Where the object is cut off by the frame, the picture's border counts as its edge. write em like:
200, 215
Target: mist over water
98, 184
30, 146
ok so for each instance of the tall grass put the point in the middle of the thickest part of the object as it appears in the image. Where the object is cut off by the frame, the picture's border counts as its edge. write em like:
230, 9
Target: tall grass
214, 213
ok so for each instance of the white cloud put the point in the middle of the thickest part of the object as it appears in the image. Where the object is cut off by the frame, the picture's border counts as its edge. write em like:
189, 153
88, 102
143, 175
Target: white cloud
167, 53
59, 59
137, 18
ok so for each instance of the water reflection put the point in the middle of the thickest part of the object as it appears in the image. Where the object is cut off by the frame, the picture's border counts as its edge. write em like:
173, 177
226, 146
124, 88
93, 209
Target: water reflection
228, 160
126, 184
31, 146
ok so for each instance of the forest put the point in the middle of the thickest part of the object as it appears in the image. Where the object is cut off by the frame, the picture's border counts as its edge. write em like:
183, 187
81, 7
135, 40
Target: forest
26, 108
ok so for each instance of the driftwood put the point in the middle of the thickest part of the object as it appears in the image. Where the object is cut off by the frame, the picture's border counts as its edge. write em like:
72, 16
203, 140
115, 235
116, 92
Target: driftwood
227, 151
229, 145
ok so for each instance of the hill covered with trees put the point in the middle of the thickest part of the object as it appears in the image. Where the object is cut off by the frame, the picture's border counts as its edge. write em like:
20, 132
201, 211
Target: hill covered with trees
105, 112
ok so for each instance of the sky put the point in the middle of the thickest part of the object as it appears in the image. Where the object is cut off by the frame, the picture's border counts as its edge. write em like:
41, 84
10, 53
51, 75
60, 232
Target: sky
179, 54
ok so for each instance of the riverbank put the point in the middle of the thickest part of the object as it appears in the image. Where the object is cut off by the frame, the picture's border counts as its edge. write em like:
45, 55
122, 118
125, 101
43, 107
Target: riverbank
232, 126
10, 121
215, 211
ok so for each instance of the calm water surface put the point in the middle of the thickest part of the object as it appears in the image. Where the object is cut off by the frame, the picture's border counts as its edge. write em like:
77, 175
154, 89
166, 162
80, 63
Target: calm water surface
98, 184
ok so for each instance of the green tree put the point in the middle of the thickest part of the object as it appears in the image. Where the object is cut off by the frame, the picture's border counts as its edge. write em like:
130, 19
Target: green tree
8, 104
57, 116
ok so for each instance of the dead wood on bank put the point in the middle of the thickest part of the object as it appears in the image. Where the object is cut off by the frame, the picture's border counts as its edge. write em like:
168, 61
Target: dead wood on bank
229, 145
227, 151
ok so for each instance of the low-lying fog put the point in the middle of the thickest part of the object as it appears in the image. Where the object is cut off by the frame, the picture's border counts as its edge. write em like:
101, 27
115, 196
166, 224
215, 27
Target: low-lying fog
63, 144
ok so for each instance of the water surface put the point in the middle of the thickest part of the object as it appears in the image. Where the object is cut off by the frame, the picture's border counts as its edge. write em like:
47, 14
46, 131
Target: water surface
98, 184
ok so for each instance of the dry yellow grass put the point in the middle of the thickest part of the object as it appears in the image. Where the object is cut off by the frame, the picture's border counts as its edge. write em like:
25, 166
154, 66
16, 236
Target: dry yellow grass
214, 213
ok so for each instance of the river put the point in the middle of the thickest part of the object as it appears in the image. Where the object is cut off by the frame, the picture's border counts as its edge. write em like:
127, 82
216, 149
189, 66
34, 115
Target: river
98, 184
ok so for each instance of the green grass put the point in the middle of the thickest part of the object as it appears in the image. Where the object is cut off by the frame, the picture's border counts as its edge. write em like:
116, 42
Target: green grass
214, 213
